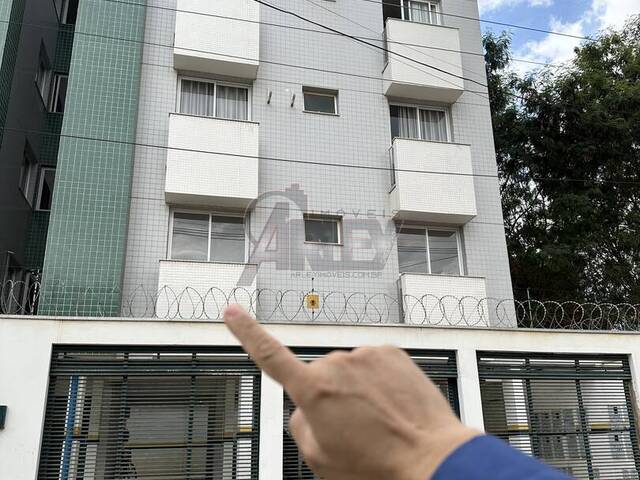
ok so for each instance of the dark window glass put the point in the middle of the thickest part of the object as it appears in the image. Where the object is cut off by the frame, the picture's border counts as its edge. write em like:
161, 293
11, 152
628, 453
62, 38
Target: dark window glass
227, 239
404, 122
315, 102
443, 252
412, 250
189, 241
47, 181
71, 15
321, 230
59, 93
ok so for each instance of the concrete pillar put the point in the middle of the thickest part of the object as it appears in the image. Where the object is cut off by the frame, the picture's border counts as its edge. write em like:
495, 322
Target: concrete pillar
469, 389
271, 423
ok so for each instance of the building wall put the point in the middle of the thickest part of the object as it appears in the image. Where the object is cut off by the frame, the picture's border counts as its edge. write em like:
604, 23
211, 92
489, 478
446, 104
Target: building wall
359, 136
24, 382
22, 116
88, 226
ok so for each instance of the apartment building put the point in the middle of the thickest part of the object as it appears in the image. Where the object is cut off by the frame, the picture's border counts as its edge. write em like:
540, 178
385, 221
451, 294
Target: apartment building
327, 163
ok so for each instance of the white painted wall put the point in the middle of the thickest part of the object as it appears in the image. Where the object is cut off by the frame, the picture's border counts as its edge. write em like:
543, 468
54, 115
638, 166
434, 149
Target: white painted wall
23, 384
409, 79
195, 177
212, 44
433, 197
444, 300
202, 289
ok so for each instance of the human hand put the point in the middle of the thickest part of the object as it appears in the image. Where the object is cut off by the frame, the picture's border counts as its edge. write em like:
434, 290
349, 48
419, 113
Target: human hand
368, 414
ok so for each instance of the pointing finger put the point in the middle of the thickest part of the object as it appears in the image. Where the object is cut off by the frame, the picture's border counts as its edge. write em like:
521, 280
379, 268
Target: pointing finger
269, 354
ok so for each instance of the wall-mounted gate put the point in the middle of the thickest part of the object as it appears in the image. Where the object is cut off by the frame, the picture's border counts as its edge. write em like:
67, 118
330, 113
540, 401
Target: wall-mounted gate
151, 414
575, 412
439, 365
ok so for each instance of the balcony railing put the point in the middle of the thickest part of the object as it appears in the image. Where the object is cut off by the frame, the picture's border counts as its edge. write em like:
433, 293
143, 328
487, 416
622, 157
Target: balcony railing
338, 307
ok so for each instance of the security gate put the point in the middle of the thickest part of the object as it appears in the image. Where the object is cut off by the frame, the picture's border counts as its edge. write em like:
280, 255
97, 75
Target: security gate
151, 414
439, 365
575, 412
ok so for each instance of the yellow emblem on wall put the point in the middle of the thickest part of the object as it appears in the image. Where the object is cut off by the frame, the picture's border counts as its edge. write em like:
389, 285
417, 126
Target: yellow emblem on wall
312, 301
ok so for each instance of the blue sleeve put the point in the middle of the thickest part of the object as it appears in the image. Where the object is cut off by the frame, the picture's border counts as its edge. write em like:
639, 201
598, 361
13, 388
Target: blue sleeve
488, 458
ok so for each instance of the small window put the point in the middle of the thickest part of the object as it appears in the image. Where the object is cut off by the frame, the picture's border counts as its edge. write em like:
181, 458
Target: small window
204, 237
419, 123
45, 189
68, 11
429, 250
59, 93
43, 74
322, 229
211, 99
318, 101
27, 174
421, 11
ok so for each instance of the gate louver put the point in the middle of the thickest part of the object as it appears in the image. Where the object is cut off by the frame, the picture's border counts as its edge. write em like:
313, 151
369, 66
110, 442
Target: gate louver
439, 365
573, 411
151, 414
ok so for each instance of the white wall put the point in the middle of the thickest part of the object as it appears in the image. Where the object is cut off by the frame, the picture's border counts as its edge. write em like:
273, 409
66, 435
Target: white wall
23, 383
433, 197
210, 43
406, 78
195, 177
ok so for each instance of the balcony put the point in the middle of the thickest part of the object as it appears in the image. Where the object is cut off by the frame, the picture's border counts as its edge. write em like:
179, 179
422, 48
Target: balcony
408, 79
207, 42
196, 178
445, 196
185, 288
444, 299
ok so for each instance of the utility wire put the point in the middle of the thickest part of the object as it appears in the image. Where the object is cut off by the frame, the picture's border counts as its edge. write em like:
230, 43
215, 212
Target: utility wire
464, 17
364, 42
305, 162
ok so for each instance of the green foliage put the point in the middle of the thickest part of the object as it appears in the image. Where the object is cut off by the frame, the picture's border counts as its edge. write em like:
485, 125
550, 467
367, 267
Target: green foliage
568, 152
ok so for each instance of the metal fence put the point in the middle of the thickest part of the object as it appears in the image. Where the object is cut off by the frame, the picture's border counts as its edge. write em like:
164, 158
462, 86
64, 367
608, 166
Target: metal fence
24, 298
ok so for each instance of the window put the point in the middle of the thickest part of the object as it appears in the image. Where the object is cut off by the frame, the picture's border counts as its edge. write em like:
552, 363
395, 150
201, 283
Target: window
27, 173
59, 93
422, 12
419, 123
212, 99
320, 101
45, 189
207, 238
67, 11
322, 229
429, 250
43, 74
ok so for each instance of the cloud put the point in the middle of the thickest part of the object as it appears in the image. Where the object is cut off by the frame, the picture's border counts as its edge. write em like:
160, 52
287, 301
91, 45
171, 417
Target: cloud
488, 5
558, 49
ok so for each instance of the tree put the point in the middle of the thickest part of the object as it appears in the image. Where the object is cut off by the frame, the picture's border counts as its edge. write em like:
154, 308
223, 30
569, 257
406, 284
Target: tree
568, 152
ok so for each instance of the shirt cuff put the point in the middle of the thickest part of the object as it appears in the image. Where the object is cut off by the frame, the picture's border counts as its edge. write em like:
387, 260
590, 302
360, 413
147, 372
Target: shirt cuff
488, 458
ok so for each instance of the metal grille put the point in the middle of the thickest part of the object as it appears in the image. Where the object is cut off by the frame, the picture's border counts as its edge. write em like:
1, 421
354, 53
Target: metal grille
151, 414
439, 365
575, 412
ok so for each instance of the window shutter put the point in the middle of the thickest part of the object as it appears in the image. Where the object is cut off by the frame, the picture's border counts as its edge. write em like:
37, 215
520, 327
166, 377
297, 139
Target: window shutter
439, 365
572, 411
151, 414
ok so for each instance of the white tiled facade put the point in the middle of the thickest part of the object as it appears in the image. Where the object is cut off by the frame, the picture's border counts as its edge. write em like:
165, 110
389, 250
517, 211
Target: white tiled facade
336, 164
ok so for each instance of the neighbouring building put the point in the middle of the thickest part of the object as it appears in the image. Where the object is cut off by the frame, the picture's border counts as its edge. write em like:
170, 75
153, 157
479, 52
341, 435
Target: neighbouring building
333, 170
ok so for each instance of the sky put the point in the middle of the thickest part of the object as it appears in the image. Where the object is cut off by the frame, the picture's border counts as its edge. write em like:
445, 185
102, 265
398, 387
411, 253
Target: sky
577, 17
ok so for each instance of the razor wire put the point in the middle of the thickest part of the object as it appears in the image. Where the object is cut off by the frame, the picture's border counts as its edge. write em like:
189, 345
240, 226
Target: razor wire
291, 306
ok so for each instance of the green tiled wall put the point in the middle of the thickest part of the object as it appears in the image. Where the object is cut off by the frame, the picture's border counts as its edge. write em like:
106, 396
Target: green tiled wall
36, 241
87, 232
11, 13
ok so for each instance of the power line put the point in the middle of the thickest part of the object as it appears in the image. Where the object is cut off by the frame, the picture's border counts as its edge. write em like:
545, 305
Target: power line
364, 42
306, 162
494, 22
464, 17
271, 24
